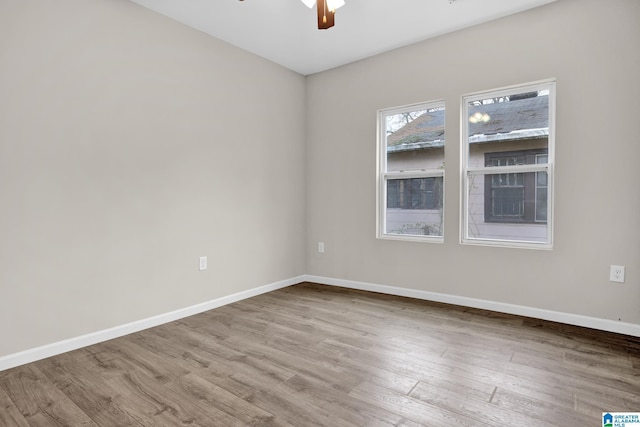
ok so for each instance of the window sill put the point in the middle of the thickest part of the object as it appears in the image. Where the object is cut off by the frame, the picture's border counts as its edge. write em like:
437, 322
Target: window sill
508, 244
411, 238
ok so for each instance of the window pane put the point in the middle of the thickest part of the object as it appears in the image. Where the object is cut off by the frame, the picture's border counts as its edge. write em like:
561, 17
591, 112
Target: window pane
414, 206
506, 193
414, 193
393, 193
415, 140
541, 179
513, 213
541, 204
508, 203
541, 196
423, 193
508, 124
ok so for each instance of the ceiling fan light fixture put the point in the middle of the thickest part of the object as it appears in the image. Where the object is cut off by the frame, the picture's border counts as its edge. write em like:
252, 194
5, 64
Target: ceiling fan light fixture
309, 3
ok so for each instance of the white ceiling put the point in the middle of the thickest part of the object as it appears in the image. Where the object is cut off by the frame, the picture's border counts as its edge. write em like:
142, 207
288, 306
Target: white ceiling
285, 31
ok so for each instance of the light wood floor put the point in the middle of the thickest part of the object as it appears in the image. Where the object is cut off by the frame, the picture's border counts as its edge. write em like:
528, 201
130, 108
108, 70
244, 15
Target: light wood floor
312, 355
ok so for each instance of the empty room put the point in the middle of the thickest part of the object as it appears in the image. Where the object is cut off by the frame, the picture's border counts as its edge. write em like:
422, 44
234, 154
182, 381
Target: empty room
310, 213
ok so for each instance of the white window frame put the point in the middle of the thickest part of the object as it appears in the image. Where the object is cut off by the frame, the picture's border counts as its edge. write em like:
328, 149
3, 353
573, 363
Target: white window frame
467, 172
384, 176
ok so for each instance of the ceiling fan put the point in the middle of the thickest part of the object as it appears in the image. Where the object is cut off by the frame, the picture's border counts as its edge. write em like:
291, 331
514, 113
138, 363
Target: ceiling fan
326, 11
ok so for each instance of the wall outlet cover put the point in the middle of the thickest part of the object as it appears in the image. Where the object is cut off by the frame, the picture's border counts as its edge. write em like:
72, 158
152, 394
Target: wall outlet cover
203, 263
616, 273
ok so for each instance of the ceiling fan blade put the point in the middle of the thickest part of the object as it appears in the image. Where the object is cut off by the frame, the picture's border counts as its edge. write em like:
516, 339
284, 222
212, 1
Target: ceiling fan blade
335, 4
326, 17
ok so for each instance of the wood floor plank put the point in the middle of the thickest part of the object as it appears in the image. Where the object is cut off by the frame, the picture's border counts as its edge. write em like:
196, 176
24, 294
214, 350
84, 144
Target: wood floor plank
9, 413
207, 395
82, 385
578, 377
157, 403
295, 409
399, 362
397, 375
591, 402
315, 355
40, 401
482, 410
603, 361
311, 367
348, 408
462, 387
538, 410
526, 380
233, 371
235, 360
415, 410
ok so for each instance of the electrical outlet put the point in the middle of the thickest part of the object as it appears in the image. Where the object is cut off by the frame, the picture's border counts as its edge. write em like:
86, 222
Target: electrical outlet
616, 273
203, 263
321, 247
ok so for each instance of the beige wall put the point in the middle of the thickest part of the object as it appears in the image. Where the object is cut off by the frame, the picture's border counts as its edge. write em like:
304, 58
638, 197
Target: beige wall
129, 146
591, 47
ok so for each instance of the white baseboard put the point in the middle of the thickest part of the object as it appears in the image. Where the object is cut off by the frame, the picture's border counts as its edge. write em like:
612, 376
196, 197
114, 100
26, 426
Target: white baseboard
38, 353
538, 313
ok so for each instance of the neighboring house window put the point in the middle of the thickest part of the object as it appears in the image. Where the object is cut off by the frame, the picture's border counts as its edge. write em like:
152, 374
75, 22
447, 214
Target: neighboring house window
516, 197
507, 150
415, 193
541, 190
411, 172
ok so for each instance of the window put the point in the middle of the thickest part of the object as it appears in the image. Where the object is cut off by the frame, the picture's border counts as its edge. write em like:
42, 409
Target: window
516, 197
507, 151
415, 193
411, 172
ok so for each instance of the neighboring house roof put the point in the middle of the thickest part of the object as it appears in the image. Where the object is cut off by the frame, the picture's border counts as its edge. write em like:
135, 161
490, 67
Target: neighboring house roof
512, 120
427, 131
